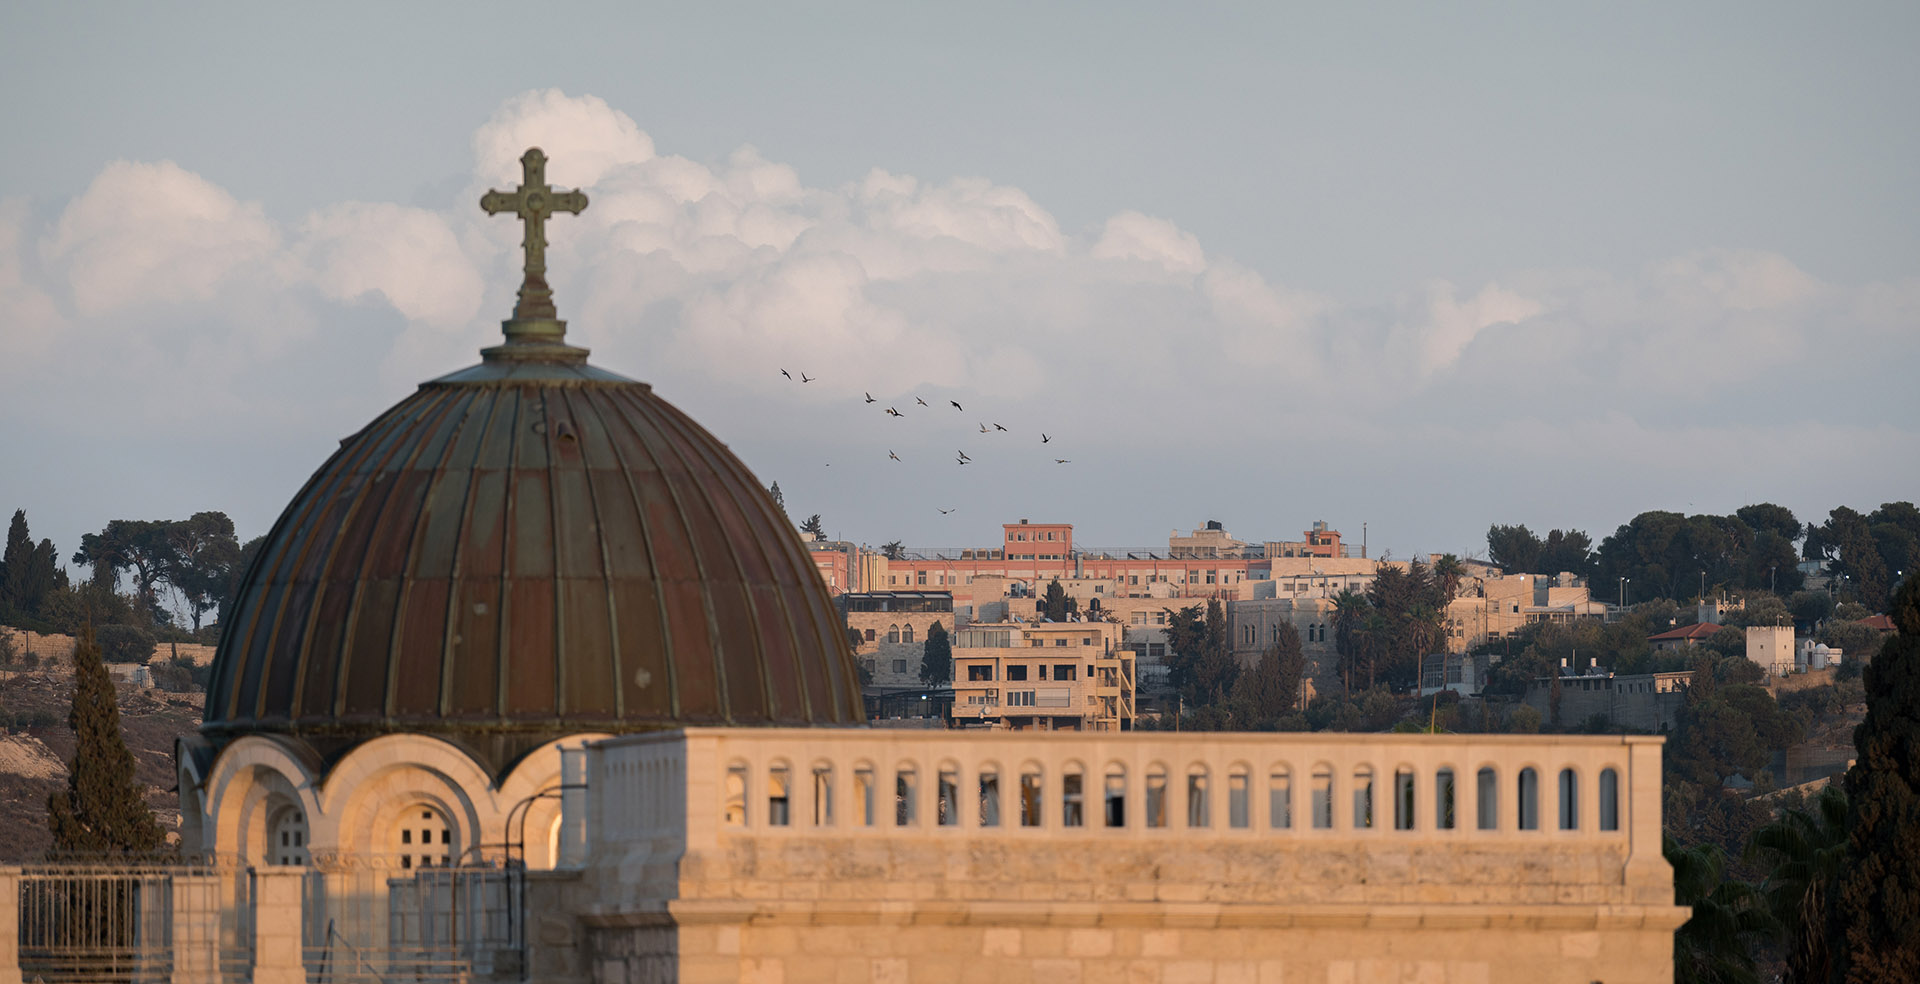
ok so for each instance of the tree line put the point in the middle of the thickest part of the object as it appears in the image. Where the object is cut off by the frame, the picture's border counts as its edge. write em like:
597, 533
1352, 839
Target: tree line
1662, 554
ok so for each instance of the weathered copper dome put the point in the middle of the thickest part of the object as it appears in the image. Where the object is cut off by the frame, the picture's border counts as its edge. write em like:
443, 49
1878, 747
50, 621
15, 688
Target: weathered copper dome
526, 549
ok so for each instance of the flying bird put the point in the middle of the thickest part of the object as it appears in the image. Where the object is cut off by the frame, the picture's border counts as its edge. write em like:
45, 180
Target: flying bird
1044, 438
894, 412
963, 456
1061, 461
805, 378
787, 374
983, 429
962, 459
920, 401
998, 427
870, 398
895, 457
943, 512
957, 406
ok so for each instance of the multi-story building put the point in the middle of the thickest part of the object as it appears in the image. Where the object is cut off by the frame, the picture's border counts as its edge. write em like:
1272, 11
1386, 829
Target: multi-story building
893, 627
1043, 676
1495, 607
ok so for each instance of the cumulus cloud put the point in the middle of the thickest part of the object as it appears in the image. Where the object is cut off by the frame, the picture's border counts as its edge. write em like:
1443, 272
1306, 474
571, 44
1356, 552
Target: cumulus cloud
706, 277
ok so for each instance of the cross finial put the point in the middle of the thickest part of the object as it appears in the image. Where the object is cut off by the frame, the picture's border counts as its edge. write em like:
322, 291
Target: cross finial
535, 322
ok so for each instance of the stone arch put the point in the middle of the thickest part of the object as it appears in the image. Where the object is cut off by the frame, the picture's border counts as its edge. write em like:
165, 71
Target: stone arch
255, 777
369, 790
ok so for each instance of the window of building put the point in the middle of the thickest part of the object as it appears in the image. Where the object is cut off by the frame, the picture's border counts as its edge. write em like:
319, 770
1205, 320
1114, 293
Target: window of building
1280, 797
977, 674
1016, 671
1020, 698
1037, 641
1030, 796
921, 577
778, 779
893, 633
1065, 671
1609, 799
899, 666
1060, 640
1116, 795
1569, 800
423, 838
906, 633
287, 844
869, 635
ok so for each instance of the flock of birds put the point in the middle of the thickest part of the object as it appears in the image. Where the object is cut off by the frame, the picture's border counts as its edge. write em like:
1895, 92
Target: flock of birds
963, 458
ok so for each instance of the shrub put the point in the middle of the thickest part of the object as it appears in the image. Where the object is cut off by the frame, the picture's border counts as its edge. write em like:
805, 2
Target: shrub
124, 643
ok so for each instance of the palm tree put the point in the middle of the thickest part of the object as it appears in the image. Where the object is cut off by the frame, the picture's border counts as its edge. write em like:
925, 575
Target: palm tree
1804, 849
1715, 946
1448, 572
1349, 610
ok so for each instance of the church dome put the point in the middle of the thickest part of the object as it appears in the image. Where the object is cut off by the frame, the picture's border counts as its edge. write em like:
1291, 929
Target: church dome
526, 549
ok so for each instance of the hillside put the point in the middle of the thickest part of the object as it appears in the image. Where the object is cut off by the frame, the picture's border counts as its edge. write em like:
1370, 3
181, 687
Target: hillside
34, 752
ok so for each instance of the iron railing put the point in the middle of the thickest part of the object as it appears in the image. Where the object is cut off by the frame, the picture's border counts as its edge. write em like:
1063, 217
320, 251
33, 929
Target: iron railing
114, 921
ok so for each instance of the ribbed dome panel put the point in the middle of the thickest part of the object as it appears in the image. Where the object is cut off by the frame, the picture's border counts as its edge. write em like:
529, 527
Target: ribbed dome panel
524, 553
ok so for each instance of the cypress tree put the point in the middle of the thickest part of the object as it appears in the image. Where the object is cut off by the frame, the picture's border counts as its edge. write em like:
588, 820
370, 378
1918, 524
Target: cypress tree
936, 657
15, 562
101, 811
1875, 932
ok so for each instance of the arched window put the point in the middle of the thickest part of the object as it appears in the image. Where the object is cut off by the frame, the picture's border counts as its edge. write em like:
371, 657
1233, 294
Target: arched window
949, 796
1073, 796
863, 793
1239, 783
1443, 799
422, 838
1030, 795
1403, 798
1323, 797
734, 812
989, 795
1199, 813
1609, 799
779, 792
893, 633
1529, 796
906, 795
823, 794
1280, 797
1487, 799
1116, 795
1569, 800
1157, 795
1362, 797
287, 837
906, 633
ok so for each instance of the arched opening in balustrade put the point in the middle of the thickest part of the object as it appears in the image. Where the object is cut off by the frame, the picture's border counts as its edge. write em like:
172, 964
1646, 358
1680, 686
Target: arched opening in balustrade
1239, 796
989, 782
1030, 792
1362, 797
1487, 799
947, 796
823, 794
1323, 796
734, 812
1280, 797
865, 791
1569, 800
1528, 797
1609, 799
1116, 795
779, 786
1073, 795
906, 795
1199, 805
1156, 795
1403, 798
1443, 798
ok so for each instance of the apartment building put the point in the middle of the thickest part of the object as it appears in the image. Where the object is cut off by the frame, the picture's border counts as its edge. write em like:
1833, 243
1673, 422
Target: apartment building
893, 626
1043, 676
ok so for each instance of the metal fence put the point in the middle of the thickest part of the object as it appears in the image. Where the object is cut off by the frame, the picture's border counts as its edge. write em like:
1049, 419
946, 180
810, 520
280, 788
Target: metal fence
85, 922
370, 921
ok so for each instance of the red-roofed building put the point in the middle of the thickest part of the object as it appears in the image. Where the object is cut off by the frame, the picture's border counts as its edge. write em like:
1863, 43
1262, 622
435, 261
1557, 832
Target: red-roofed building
1879, 623
1684, 636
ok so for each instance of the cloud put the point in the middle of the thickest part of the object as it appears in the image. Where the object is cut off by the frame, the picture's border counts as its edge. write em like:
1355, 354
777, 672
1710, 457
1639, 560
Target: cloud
707, 277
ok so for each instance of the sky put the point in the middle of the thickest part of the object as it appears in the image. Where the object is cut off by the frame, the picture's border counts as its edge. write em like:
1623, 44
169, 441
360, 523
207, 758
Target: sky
1415, 268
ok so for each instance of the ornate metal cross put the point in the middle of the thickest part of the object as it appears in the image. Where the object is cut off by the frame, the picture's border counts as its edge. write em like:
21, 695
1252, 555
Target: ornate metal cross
533, 201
